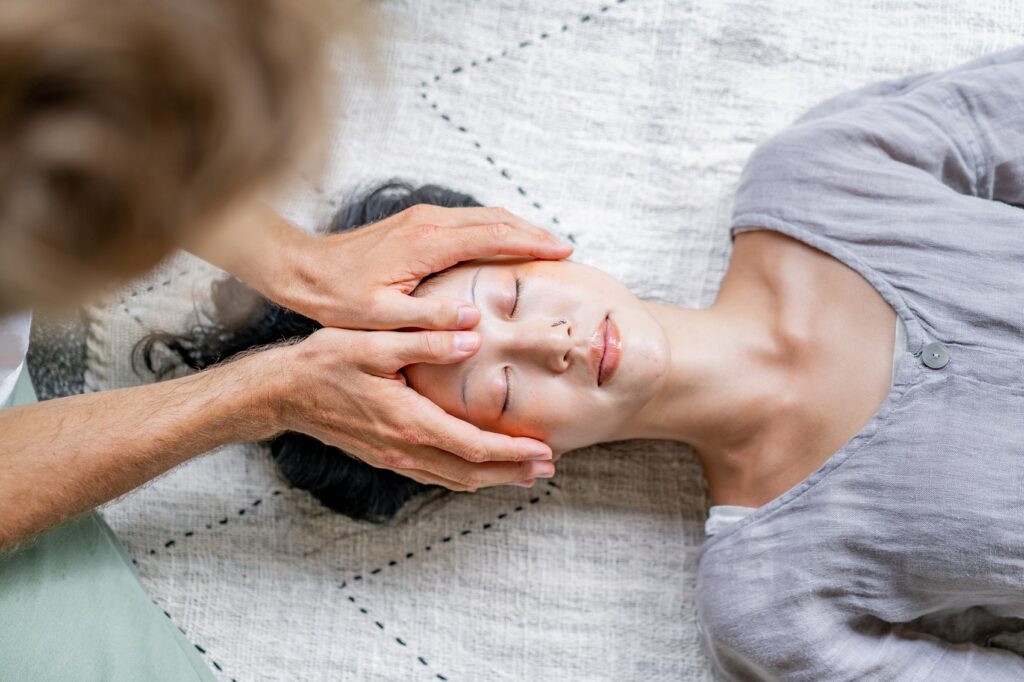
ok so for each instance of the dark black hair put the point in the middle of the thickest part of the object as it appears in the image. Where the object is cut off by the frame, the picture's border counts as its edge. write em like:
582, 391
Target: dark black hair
343, 483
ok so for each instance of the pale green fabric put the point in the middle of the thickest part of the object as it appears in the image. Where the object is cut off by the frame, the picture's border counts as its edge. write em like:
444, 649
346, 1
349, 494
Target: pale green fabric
72, 608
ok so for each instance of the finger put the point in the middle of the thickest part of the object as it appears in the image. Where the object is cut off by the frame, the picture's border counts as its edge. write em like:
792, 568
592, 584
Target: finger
427, 478
387, 352
491, 474
468, 216
441, 430
457, 474
397, 310
449, 247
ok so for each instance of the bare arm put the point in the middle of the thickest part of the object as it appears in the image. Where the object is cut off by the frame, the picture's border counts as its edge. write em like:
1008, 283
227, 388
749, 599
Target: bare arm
343, 387
63, 457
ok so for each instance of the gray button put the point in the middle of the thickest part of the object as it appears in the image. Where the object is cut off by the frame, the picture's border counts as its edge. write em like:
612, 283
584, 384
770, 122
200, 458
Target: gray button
935, 355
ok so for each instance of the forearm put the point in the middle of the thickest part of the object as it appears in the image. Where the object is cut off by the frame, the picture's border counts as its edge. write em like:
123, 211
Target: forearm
63, 457
265, 251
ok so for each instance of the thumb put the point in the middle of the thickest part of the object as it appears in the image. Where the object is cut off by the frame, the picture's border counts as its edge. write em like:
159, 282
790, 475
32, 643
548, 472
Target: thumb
391, 351
425, 312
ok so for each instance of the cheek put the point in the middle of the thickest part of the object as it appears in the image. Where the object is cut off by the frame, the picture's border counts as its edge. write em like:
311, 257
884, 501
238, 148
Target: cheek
438, 383
560, 414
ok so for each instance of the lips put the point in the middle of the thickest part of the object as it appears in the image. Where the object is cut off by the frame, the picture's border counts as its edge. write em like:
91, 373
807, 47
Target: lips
612, 351
605, 350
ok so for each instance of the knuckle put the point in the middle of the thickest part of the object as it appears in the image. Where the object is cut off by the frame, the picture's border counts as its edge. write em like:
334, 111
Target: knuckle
499, 231
418, 213
396, 460
376, 305
472, 479
370, 344
475, 453
411, 436
500, 214
436, 345
427, 231
421, 235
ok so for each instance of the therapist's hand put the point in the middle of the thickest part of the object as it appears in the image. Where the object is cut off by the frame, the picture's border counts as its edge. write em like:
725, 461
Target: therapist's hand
344, 388
362, 279
348, 390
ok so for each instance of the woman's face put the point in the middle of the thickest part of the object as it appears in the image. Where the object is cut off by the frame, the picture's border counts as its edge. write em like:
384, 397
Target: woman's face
568, 355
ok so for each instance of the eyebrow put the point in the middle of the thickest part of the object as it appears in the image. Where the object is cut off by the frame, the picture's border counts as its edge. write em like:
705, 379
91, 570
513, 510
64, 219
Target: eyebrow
465, 377
465, 383
472, 286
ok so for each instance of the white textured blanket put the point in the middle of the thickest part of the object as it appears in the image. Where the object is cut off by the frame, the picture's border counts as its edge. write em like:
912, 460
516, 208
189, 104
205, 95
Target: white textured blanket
623, 123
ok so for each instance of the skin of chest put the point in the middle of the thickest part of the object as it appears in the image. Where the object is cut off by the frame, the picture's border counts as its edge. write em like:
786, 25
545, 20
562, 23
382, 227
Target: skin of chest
835, 375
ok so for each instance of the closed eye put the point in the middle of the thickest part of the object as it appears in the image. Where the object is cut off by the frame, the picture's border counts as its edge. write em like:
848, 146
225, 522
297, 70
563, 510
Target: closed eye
508, 389
515, 303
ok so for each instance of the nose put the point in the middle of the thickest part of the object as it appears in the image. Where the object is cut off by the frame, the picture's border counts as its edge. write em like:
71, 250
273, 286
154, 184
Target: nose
546, 342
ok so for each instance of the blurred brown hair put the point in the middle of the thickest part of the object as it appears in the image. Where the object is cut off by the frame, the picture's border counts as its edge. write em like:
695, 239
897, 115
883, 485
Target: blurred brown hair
126, 125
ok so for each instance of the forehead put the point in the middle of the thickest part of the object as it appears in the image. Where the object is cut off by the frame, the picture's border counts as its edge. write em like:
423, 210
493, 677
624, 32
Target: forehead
455, 281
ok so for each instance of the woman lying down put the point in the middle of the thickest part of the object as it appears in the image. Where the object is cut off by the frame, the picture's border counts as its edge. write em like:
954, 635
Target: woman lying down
855, 394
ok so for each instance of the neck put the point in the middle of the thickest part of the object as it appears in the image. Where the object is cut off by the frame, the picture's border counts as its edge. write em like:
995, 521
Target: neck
730, 366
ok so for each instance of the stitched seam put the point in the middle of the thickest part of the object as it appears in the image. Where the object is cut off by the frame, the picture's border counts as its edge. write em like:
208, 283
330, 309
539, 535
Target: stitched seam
488, 525
503, 172
222, 521
202, 650
400, 641
522, 45
973, 148
462, 129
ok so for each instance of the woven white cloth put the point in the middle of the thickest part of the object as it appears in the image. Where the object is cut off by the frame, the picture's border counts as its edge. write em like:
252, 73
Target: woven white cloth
622, 123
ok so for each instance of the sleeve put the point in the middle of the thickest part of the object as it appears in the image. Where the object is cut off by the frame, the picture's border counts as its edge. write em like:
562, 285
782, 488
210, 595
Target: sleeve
964, 126
901, 656
872, 651
895, 156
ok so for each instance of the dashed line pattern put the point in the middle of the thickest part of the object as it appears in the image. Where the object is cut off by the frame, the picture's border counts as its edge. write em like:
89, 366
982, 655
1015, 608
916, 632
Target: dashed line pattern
427, 548
214, 662
123, 303
223, 521
502, 171
490, 157
391, 563
522, 45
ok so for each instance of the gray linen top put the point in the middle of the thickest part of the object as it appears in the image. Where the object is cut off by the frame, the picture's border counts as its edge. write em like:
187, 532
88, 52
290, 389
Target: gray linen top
721, 515
901, 557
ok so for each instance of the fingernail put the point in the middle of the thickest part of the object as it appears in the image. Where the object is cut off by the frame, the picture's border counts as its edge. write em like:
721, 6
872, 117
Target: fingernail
468, 316
524, 484
466, 341
538, 451
544, 470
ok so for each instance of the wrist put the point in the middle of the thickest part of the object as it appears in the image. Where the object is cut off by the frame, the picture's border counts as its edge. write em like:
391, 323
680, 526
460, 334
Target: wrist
274, 257
291, 277
297, 277
254, 392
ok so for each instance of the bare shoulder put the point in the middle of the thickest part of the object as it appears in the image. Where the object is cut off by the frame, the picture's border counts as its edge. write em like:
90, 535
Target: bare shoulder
842, 335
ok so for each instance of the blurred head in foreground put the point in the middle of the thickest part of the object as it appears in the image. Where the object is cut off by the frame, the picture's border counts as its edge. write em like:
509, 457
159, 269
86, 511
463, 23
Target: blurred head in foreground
129, 127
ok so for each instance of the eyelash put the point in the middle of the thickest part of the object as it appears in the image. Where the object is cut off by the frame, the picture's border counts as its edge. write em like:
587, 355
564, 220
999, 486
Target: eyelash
508, 372
508, 389
515, 304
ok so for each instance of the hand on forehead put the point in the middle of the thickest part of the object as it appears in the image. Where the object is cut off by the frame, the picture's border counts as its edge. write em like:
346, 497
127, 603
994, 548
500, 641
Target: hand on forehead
535, 373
